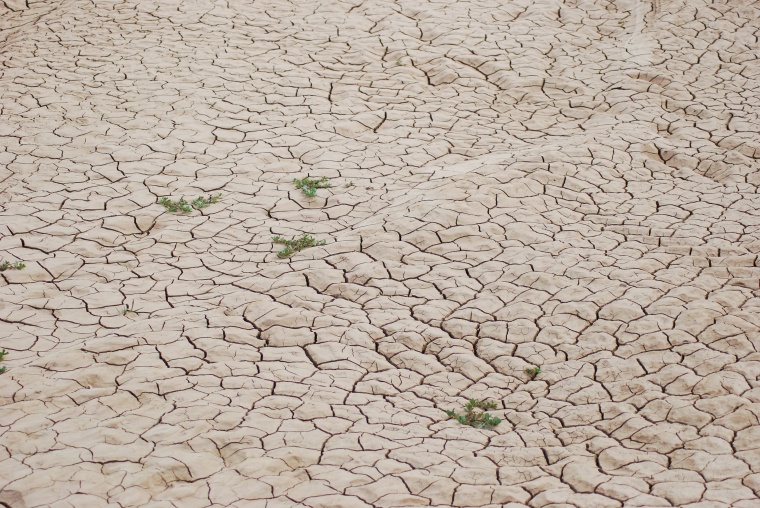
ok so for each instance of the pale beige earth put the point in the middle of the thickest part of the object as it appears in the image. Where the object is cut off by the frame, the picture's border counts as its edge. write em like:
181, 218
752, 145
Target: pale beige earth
516, 183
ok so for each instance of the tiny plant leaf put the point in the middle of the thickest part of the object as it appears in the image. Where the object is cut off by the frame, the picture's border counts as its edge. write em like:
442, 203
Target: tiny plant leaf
202, 202
296, 244
475, 414
176, 206
129, 309
309, 186
181, 205
7, 265
2, 357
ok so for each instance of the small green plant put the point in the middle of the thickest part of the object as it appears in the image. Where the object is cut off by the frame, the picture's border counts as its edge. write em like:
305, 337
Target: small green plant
2, 357
16, 265
309, 186
533, 371
182, 205
129, 310
296, 244
475, 414
202, 202
176, 206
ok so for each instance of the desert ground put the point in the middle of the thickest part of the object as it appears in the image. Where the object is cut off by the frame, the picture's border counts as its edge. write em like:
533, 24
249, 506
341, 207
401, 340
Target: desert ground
550, 206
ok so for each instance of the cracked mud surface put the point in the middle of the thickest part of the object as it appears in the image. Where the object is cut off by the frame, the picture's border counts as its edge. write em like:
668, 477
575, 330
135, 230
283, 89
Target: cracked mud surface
571, 185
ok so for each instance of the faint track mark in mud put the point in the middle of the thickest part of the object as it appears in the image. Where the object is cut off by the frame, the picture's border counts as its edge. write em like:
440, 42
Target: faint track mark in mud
639, 21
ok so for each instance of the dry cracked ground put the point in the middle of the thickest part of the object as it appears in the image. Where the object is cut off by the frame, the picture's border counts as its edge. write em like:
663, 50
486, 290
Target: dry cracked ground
565, 184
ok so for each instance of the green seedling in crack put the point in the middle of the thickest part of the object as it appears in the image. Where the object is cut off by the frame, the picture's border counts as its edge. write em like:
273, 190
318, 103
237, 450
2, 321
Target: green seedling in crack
129, 310
296, 244
16, 265
475, 414
309, 186
176, 206
202, 202
2, 357
533, 371
182, 205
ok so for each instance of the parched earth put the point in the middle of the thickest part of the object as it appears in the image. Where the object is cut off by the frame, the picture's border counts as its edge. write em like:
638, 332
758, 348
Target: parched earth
515, 184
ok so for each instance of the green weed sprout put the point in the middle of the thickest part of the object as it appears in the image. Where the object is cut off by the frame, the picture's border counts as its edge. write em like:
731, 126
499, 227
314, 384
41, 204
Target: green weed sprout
533, 371
129, 309
202, 202
309, 186
296, 244
182, 205
176, 206
475, 415
16, 265
3, 370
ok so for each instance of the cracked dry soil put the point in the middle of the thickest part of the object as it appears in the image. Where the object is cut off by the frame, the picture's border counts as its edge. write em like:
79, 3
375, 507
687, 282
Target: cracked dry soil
565, 184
